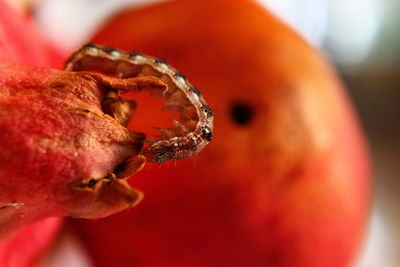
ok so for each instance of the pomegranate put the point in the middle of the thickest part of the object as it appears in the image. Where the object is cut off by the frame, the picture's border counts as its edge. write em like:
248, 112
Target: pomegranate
286, 181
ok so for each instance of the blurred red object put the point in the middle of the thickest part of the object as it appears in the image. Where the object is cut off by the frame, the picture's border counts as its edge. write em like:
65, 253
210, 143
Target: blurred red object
22, 42
286, 181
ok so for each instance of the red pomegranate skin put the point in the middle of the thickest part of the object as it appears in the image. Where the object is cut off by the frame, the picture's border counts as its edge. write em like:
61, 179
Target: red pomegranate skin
59, 149
289, 187
22, 42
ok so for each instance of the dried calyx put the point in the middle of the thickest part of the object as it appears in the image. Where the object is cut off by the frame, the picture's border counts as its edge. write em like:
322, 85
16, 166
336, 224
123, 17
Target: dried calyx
122, 111
64, 145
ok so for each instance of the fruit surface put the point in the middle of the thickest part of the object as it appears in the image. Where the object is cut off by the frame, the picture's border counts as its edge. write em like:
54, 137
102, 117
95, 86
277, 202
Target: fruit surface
22, 42
61, 154
285, 181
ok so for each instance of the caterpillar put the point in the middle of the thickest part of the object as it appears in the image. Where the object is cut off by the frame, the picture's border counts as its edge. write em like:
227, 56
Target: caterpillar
185, 139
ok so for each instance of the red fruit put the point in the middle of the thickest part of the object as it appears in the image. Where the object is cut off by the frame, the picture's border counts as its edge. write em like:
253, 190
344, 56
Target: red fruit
286, 180
60, 153
20, 41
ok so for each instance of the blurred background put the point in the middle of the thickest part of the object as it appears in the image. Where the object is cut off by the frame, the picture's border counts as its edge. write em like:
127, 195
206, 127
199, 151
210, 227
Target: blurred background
361, 37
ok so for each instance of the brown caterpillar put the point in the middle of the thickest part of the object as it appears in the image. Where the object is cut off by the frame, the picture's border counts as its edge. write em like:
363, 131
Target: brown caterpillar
182, 141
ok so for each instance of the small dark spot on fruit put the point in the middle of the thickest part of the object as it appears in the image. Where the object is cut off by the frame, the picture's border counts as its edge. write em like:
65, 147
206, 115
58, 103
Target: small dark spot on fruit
241, 113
